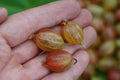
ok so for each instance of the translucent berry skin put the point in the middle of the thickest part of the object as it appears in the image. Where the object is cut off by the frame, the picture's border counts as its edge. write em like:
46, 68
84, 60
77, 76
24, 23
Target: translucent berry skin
48, 40
72, 33
59, 61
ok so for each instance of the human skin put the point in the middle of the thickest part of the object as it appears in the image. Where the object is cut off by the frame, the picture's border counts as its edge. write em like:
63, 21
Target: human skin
19, 59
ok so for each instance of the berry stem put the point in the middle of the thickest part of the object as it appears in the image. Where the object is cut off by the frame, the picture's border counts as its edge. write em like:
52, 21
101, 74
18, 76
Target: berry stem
32, 36
64, 22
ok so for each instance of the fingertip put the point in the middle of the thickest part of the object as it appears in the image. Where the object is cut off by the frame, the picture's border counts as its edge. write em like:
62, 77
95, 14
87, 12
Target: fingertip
76, 5
82, 55
3, 14
82, 58
85, 17
89, 15
3, 10
89, 36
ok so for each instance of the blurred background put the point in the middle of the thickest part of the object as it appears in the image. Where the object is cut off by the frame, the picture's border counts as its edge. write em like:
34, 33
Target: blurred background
105, 52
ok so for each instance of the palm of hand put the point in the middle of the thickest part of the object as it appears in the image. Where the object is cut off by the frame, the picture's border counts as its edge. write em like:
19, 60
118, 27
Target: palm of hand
18, 55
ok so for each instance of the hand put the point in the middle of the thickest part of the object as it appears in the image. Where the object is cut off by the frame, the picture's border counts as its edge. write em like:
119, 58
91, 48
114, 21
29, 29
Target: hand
18, 60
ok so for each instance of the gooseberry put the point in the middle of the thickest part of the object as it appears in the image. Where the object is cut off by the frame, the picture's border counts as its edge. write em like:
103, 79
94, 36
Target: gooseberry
114, 74
107, 48
117, 14
72, 32
109, 32
48, 40
106, 63
59, 61
93, 57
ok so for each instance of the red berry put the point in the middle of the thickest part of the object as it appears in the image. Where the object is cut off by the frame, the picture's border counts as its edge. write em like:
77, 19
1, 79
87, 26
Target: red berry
106, 63
114, 75
89, 71
117, 15
59, 61
107, 48
109, 32
95, 1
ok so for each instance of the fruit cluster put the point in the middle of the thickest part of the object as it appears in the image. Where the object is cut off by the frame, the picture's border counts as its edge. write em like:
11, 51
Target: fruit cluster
47, 40
105, 52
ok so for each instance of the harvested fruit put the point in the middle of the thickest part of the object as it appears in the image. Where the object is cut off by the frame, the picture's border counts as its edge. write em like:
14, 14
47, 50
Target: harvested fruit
117, 41
59, 61
97, 42
109, 32
106, 21
106, 64
98, 24
110, 4
97, 78
109, 17
118, 55
72, 32
82, 4
93, 57
96, 1
118, 29
90, 71
114, 75
48, 40
117, 15
107, 48
96, 10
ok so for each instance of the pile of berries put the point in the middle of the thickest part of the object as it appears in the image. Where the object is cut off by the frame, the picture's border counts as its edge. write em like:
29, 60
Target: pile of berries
105, 52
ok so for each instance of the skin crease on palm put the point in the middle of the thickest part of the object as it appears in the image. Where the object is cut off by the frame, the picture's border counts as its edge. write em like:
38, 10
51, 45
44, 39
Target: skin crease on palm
18, 55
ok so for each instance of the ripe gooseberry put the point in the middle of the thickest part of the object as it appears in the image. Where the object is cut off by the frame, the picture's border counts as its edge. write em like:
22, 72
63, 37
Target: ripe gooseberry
114, 74
47, 40
107, 48
106, 63
59, 61
72, 32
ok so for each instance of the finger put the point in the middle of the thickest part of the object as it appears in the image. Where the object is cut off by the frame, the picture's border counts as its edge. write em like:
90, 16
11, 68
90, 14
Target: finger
75, 71
3, 14
13, 71
19, 26
24, 55
25, 51
84, 19
89, 36
36, 66
5, 53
